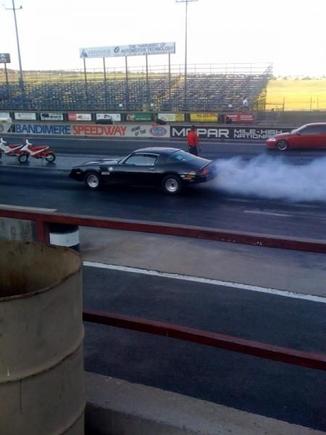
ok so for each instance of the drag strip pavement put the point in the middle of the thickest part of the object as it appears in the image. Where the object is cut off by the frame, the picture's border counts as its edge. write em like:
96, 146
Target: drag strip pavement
202, 205
272, 389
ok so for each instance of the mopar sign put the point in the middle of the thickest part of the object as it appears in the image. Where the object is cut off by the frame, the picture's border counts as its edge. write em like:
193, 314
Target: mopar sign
236, 133
205, 132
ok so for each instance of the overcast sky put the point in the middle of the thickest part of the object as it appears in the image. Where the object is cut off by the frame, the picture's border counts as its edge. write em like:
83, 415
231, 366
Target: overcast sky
291, 34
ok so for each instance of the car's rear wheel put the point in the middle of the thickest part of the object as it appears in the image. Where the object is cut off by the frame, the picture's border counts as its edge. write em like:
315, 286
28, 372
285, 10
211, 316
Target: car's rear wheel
171, 184
92, 180
282, 145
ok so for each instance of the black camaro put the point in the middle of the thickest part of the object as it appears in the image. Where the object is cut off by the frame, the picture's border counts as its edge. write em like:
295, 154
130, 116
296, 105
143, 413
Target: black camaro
170, 168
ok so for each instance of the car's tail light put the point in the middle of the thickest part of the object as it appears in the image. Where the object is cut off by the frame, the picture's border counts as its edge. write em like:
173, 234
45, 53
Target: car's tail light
204, 171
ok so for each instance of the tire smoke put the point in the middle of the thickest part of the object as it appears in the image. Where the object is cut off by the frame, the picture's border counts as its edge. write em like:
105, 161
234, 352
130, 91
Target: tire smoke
273, 178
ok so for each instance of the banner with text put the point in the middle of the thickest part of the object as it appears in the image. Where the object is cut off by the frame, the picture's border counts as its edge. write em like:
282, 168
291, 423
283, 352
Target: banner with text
25, 116
238, 133
203, 117
139, 116
116, 117
121, 130
128, 50
42, 129
73, 116
51, 116
241, 117
171, 117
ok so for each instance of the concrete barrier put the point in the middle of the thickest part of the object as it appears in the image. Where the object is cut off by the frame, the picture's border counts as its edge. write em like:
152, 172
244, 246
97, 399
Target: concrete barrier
116, 407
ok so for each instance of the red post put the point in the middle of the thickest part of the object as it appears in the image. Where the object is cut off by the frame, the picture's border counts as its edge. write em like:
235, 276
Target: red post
42, 231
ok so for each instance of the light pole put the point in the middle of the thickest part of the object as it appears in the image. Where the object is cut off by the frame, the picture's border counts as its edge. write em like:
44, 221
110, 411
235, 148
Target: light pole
21, 80
186, 50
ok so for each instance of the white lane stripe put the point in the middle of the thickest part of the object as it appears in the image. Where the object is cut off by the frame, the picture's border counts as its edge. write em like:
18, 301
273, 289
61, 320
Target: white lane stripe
283, 293
268, 213
23, 208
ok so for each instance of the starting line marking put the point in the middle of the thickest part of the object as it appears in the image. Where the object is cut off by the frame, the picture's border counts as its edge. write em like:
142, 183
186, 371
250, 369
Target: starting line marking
215, 282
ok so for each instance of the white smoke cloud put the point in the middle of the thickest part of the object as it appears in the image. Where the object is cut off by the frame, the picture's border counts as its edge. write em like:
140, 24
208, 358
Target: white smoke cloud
273, 178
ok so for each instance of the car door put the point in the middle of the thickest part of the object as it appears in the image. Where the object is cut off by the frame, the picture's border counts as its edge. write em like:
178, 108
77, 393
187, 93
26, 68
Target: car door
139, 168
323, 136
308, 137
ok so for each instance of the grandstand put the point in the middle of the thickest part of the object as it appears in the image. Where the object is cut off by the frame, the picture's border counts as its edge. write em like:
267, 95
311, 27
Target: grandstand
209, 89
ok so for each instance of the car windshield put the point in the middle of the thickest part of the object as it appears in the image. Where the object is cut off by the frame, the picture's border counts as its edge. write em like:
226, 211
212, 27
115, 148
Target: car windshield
182, 156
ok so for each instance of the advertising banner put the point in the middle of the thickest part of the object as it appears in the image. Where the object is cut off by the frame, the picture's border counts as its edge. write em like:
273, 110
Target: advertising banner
51, 116
128, 50
203, 117
241, 117
233, 133
121, 130
139, 116
171, 117
5, 116
108, 116
73, 116
25, 116
148, 131
42, 129
98, 130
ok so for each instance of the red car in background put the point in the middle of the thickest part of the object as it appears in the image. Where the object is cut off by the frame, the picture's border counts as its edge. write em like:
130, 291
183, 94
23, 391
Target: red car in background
308, 136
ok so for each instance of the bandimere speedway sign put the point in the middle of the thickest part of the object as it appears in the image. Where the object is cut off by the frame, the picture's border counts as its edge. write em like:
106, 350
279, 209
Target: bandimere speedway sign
118, 130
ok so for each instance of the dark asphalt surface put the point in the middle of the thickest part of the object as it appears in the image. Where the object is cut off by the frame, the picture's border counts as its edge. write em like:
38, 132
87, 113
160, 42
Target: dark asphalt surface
276, 390
202, 205
211, 148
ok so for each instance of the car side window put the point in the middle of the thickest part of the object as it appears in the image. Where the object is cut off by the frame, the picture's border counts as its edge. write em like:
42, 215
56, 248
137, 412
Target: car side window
313, 129
141, 160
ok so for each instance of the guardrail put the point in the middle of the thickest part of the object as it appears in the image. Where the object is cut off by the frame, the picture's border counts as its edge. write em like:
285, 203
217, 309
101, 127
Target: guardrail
43, 219
235, 344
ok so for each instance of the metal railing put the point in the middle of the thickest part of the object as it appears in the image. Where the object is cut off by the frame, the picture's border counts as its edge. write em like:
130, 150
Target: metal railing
42, 221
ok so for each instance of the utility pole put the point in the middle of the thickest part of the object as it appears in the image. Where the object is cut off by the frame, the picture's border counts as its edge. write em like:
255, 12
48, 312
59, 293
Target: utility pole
185, 103
21, 79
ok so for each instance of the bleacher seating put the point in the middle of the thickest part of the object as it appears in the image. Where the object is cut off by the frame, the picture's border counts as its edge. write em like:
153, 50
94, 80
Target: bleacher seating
205, 92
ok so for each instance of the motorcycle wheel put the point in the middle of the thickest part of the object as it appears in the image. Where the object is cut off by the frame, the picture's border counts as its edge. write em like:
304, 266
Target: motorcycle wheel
23, 158
50, 157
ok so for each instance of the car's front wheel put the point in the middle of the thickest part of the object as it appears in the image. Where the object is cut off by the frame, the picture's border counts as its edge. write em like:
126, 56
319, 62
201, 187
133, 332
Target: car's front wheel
171, 184
92, 180
282, 145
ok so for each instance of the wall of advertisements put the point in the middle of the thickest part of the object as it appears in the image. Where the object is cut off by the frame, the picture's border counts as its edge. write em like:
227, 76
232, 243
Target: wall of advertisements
144, 130
93, 130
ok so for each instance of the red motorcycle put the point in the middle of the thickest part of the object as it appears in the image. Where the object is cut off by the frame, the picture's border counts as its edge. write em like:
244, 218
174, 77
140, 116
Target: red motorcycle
36, 151
11, 150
